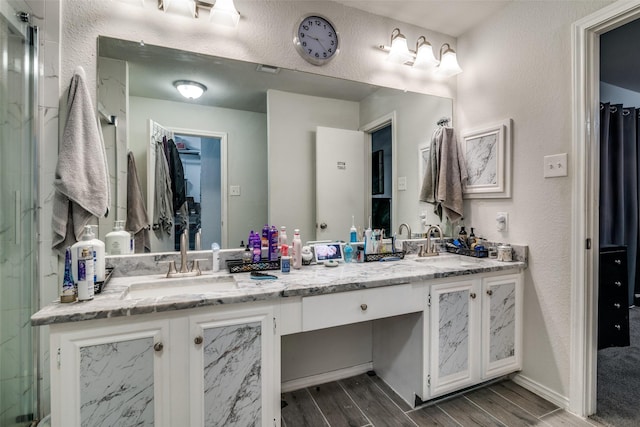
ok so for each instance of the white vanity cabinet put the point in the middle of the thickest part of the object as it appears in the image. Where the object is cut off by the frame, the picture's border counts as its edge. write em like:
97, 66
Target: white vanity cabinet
232, 366
452, 337
211, 366
470, 331
108, 375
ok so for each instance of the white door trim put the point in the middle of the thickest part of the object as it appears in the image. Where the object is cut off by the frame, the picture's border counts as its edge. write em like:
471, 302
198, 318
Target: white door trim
584, 263
223, 176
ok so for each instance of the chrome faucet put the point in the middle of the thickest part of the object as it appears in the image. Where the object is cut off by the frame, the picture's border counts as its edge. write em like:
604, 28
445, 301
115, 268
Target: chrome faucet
184, 268
198, 240
431, 248
405, 225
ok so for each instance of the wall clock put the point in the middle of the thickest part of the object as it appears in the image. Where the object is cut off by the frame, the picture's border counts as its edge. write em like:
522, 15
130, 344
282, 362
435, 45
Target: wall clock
316, 39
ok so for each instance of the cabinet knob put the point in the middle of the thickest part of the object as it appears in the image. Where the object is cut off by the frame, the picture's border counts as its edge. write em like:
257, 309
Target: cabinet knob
198, 340
323, 225
158, 346
363, 307
472, 295
618, 261
617, 327
489, 292
618, 283
616, 305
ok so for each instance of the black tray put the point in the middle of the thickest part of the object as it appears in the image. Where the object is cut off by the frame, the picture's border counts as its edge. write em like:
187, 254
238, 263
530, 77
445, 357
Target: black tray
99, 286
378, 257
468, 252
236, 266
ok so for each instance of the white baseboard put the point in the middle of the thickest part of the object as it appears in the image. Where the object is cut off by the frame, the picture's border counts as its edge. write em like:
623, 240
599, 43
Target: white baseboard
542, 391
326, 377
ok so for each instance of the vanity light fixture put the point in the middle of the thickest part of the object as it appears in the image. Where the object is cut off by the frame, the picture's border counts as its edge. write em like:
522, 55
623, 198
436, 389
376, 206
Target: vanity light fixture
425, 59
221, 12
190, 89
179, 6
399, 51
448, 62
224, 13
422, 57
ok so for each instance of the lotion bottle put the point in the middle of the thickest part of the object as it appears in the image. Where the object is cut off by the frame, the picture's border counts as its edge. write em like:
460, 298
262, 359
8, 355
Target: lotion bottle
297, 250
98, 256
118, 241
353, 232
76, 250
285, 260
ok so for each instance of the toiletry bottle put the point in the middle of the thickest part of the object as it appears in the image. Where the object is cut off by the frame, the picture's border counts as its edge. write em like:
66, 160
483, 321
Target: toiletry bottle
265, 236
297, 250
353, 233
472, 238
257, 248
348, 253
285, 260
68, 286
76, 249
462, 236
282, 238
118, 241
273, 243
98, 256
247, 255
86, 273
368, 241
215, 250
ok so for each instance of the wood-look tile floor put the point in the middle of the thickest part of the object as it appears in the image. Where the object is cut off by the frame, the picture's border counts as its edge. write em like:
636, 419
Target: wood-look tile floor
366, 401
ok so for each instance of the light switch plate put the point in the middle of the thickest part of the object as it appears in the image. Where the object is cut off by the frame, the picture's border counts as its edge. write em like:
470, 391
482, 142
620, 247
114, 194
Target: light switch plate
555, 165
402, 183
234, 190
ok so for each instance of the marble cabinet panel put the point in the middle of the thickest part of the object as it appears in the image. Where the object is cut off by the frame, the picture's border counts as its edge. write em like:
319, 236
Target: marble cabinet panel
453, 325
116, 383
502, 322
232, 375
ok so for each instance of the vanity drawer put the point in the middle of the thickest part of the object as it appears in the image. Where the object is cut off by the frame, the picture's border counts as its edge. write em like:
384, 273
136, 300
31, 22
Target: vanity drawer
325, 311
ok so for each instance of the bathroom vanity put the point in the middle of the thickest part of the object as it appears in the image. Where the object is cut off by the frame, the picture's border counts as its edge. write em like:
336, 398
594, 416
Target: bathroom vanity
206, 350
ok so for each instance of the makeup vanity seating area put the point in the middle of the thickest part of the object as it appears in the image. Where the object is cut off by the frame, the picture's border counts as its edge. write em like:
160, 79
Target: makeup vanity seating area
206, 350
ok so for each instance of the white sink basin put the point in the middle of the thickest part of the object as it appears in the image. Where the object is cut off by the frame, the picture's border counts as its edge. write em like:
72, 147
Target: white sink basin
450, 261
181, 286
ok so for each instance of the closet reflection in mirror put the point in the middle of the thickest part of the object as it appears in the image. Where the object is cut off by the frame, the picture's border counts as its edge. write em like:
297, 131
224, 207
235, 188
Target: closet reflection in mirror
135, 83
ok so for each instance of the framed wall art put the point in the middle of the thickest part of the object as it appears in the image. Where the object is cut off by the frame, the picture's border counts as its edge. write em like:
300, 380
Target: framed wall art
487, 154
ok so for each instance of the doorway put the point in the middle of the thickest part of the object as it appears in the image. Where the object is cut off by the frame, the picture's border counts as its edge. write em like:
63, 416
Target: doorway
381, 173
203, 156
585, 265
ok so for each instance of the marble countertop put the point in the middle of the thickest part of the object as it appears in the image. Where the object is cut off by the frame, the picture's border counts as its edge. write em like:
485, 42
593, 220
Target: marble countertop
117, 299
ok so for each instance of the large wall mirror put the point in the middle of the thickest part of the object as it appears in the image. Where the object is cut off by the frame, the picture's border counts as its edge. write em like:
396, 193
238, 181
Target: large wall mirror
258, 123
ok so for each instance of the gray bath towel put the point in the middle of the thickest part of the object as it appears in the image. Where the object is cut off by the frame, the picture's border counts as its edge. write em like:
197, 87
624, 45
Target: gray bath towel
453, 173
430, 179
445, 172
82, 181
137, 222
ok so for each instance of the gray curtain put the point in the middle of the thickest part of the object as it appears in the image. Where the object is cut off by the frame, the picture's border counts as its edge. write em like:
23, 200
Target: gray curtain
619, 183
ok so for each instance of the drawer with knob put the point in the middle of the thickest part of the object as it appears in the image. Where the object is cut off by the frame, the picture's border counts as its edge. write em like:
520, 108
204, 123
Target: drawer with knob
325, 311
613, 298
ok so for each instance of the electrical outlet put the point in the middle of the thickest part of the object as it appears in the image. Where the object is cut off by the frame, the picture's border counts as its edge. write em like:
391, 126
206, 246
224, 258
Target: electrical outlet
502, 221
555, 165
402, 183
234, 190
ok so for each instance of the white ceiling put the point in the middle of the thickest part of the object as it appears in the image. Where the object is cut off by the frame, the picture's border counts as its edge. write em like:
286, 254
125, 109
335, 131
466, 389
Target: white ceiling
451, 17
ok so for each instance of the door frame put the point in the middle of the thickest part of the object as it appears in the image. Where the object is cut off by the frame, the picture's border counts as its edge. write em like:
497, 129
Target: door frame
224, 197
368, 129
585, 46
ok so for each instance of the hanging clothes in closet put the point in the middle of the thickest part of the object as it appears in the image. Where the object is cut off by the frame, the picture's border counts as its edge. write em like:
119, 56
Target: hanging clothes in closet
619, 210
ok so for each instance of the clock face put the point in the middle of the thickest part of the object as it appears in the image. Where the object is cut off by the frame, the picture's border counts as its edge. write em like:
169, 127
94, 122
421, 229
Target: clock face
316, 39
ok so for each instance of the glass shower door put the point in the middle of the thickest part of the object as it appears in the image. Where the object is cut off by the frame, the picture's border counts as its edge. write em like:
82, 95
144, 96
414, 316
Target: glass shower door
17, 223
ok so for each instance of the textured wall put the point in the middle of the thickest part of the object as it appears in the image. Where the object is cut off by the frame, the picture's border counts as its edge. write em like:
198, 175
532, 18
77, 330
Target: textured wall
518, 65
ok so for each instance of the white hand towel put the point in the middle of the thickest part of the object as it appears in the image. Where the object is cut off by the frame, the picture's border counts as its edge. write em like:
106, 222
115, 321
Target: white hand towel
82, 181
